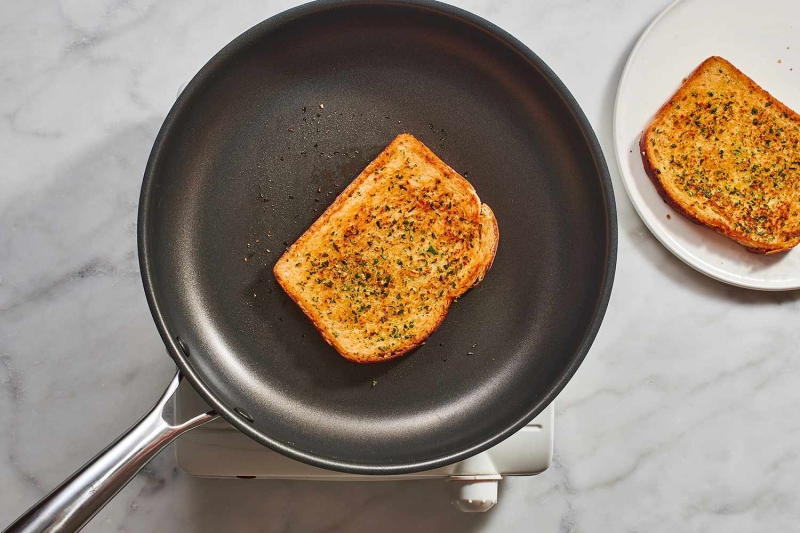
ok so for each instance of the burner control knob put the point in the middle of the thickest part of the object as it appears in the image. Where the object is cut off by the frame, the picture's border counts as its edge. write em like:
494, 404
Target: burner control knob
474, 494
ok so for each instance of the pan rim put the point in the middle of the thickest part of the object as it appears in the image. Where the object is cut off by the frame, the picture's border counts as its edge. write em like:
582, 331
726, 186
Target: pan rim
169, 339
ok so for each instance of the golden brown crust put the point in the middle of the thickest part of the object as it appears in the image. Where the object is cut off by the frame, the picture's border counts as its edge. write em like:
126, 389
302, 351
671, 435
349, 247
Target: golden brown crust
490, 238
377, 272
728, 160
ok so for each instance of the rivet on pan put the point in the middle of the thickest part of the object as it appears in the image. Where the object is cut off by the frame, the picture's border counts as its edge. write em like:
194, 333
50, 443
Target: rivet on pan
243, 414
182, 346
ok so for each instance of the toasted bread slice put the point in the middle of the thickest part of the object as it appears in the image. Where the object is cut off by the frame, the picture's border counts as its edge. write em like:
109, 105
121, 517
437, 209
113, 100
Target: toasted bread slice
377, 272
724, 153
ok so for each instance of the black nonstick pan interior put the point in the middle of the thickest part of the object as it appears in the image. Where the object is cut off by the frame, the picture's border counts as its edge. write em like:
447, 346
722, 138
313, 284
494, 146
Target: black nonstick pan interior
260, 143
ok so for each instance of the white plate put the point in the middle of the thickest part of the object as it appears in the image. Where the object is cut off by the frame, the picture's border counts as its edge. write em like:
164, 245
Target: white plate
762, 39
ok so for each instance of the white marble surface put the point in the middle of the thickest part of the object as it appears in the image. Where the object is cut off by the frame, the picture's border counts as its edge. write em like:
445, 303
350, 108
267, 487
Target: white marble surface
683, 417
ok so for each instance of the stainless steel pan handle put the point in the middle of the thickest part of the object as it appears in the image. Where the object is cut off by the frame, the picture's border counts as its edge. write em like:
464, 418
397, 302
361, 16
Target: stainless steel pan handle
73, 503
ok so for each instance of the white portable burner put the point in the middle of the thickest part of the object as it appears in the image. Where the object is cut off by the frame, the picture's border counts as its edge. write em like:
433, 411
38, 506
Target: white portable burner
217, 450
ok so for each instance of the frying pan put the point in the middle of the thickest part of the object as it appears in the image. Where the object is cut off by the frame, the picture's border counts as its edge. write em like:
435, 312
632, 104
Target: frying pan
255, 148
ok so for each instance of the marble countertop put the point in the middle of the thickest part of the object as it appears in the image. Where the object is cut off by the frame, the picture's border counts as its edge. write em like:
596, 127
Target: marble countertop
682, 418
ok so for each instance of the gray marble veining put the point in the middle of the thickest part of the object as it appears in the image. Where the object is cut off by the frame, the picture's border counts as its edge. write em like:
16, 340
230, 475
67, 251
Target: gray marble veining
682, 418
